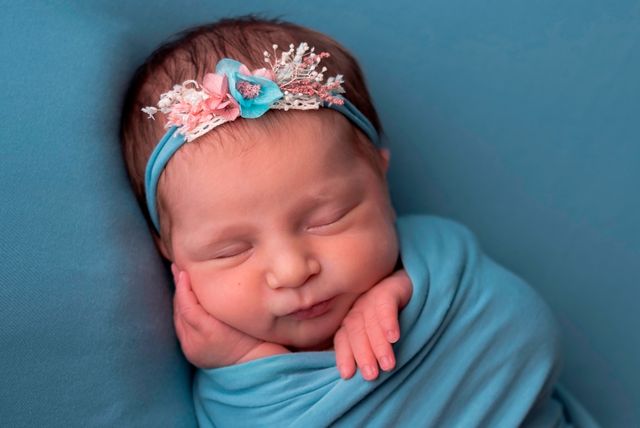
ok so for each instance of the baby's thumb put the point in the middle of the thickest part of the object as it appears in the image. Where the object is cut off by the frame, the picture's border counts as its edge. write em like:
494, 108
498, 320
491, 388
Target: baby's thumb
186, 305
180, 277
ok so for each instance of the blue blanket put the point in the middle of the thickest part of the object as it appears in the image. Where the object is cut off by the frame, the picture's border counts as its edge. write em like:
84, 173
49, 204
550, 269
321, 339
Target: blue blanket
479, 348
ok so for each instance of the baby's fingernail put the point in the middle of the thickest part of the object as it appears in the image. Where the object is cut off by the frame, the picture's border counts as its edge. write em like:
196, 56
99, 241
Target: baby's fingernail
369, 373
393, 335
343, 372
386, 363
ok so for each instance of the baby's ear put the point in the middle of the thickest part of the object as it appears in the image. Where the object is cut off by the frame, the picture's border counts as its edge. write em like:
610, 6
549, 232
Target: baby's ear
385, 155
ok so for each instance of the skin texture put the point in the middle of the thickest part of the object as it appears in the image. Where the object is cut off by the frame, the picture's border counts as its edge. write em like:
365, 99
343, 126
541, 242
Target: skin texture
280, 239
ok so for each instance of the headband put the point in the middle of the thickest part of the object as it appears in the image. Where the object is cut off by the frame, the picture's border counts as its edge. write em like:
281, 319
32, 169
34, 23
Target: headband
233, 91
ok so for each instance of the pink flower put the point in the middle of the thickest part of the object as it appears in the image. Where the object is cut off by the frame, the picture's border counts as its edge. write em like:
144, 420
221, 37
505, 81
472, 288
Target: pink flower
191, 122
216, 86
260, 72
220, 102
176, 115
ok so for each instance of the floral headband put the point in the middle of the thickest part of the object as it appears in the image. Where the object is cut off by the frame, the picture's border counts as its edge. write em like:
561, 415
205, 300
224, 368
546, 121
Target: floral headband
193, 109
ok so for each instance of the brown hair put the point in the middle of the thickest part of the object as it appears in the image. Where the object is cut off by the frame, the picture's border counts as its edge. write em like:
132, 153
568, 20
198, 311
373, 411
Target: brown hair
194, 52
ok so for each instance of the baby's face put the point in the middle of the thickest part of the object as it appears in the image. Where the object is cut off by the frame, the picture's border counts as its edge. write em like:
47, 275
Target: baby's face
279, 237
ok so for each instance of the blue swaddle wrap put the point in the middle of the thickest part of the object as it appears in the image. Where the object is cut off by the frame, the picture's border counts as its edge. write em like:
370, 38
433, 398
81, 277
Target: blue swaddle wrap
478, 348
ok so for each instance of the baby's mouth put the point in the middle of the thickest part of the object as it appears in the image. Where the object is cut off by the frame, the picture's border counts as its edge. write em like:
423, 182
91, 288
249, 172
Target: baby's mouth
314, 311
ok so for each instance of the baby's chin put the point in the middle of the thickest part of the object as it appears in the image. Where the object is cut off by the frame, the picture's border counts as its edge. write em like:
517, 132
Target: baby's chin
310, 346
310, 340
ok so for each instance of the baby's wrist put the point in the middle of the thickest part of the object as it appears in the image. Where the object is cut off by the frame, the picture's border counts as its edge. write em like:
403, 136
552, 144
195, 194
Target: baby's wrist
398, 285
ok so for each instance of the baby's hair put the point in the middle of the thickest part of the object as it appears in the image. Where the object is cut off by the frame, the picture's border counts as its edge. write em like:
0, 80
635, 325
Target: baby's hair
194, 52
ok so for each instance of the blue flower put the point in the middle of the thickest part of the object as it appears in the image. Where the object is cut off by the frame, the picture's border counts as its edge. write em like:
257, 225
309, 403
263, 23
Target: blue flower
259, 92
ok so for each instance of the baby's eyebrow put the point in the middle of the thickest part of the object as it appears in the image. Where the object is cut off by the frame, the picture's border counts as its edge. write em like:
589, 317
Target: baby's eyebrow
314, 200
323, 196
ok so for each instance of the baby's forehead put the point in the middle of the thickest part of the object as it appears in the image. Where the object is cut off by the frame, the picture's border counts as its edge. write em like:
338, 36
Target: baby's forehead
303, 157
277, 127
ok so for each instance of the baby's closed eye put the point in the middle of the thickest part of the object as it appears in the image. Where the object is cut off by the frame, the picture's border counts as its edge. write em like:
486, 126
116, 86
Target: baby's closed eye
231, 251
327, 219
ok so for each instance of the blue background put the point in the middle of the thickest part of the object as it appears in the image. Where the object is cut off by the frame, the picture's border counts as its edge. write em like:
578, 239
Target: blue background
520, 119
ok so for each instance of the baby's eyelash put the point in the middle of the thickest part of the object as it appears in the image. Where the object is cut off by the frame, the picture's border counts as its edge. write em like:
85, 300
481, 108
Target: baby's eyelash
331, 220
230, 253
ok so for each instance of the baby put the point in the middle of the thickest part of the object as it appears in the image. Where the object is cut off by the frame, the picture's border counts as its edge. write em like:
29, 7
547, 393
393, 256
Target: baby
278, 224
264, 184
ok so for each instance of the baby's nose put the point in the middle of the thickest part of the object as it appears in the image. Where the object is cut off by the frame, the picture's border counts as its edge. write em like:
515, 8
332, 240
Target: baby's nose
291, 269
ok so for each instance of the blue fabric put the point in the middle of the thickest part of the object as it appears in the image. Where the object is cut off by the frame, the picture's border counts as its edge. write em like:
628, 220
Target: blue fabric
479, 348
86, 332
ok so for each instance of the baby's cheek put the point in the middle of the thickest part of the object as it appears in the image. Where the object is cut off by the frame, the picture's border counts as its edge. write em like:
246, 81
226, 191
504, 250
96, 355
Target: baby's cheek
379, 240
237, 302
204, 293
366, 258
214, 294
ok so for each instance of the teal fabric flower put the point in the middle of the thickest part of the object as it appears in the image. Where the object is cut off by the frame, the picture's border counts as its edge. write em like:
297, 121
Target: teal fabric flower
255, 91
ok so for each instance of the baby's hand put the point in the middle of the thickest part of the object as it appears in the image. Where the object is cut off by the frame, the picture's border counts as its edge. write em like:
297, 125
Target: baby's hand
206, 341
371, 326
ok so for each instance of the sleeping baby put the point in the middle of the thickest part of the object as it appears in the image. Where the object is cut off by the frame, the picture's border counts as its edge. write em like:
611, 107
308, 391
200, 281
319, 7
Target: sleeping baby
263, 177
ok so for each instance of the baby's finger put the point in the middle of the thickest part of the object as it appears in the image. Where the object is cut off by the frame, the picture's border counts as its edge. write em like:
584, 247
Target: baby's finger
344, 357
360, 346
379, 344
181, 327
178, 323
186, 306
387, 314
